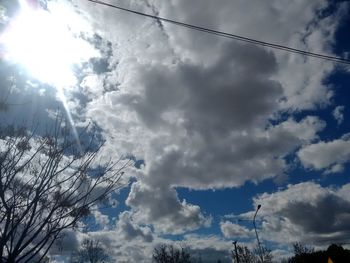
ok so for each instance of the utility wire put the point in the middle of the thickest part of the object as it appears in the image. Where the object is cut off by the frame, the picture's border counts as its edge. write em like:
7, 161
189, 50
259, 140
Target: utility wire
231, 36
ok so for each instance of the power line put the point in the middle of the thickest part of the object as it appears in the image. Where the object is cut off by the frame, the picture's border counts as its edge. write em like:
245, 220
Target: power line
231, 36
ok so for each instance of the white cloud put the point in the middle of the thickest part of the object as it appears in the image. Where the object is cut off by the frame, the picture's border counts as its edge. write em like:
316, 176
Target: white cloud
203, 112
301, 78
338, 114
124, 250
209, 248
128, 230
331, 156
198, 108
162, 208
187, 102
305, 212
136, 249
231, 230
101, 219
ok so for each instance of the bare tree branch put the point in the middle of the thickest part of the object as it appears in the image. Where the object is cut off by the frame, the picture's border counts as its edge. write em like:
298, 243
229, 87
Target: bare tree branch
47, 185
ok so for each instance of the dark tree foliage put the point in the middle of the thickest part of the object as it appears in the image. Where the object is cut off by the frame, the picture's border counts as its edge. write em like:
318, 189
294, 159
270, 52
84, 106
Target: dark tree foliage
300, 249
47, 184
334, 252
91, 252
169, 254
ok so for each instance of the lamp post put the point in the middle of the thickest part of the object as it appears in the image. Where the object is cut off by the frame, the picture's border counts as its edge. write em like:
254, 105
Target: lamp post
256, 233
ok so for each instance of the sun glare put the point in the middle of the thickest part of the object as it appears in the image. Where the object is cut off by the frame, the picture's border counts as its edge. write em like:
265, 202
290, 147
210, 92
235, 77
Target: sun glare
45, 43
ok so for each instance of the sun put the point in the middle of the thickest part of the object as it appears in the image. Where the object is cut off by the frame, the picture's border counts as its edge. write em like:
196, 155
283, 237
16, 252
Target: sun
46, 42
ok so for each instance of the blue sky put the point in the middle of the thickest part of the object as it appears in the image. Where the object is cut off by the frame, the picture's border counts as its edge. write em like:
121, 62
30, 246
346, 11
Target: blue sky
217, 126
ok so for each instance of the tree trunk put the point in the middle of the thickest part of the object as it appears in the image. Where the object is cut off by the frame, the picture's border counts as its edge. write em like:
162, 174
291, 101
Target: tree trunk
10, 259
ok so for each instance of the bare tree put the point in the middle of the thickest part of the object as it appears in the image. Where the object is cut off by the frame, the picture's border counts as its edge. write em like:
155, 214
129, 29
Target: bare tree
300, 249
47, 184
91, 252
169, 254
267, 255
245, 255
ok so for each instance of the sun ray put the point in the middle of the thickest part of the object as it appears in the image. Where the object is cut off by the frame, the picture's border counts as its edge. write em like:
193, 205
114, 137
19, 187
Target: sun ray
62, 97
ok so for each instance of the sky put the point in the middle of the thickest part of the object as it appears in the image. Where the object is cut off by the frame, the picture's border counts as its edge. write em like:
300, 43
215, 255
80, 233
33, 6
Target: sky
215, 126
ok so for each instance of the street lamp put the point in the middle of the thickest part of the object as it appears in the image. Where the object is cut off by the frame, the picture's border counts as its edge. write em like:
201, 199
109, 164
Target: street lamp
256, 233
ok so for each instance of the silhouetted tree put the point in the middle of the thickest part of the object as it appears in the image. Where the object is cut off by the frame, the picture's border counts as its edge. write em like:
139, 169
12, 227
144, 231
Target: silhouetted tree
169, 254
338, 253
91, 252
300, 249
304, 254
267, 255
47, 184
245, 255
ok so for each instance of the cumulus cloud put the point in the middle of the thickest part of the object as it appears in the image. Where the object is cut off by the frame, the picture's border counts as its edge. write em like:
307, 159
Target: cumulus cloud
329, 156
305, 212
212, 97
136, 249
69, 242
302, 92
208, 90
123, 250
125, 242
202, 111
231, 230
205, 112
129, 230
258, 154
338, 114
162, 208
209, 248
101, 220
